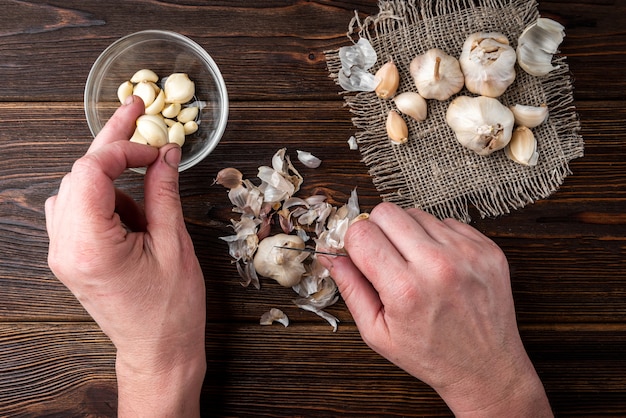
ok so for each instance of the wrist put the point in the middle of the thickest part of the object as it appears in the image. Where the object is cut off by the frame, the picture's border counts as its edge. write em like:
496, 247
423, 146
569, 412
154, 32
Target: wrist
161, 386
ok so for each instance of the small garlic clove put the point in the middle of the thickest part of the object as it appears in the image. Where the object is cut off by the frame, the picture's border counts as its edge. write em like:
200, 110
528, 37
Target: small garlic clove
144, 75
157, 105
169, 122
229, 177
412, 104
190, 127
436, 74
529, 116
188, 114
176, 134
389, 80
171, 110
124, 90
138, 138
537, 44
179, 88
523, 147
145, 91
308, 159
397, 130
153, 129
488, 63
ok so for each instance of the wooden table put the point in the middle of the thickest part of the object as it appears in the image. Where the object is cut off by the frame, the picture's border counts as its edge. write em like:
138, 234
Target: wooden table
567, 252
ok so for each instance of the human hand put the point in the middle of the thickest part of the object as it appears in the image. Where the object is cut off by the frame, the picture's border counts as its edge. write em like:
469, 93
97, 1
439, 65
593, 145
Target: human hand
134, 270
434, 297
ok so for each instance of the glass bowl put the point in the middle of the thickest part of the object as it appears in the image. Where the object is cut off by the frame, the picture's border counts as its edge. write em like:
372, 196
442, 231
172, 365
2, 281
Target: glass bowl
164, 53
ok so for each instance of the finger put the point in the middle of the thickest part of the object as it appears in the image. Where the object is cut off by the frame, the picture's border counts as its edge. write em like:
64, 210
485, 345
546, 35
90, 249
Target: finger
121, 125
131, 214
163, 208
49, 213
467, 231
360, 296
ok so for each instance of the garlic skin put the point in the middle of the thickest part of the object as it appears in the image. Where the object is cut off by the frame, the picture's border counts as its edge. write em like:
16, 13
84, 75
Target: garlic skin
412, 104
488, 63
482, 124
274, 315
284, 266
436, 74
529, 116
397, 130
523, 147
537, 44
308, 159
388, 79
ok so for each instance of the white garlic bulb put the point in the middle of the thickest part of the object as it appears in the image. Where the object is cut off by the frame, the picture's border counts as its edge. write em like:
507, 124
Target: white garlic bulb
437, 75
488, 63
537, 44
482, 124
283, 265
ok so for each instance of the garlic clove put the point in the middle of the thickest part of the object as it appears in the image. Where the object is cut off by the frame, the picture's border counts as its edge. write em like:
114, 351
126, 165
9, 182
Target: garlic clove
397, 130
482, 124
389, 80
488, 63
187, 114
138, 138
529, 116
190, 127
436, 74
523, 147
171, 110
157, 105
145, 91
412, 104
179, 88
176, 134
537, 44
144, 75
124, 90
153, 129
229, 177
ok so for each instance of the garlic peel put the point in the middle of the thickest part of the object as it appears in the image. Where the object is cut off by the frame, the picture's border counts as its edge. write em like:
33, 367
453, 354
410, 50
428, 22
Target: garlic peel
537, 44
529, 116
356, 60
436, 74
308, 159
412, 104
523, 147
274, 315
482, 124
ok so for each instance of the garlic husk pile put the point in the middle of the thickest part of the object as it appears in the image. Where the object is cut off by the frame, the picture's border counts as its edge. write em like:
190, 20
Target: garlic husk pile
537, 44
488, 63
356, 60
481, 124
523, 147
281, 264
436, 74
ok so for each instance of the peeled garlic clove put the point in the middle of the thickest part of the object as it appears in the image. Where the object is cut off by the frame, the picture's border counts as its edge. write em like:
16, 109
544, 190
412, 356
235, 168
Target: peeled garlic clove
389, 80
145, 90
529, 116
171, 110
308, 159
437, 75
138, 138
488, 63
187, 114
169, 122
412, 104
176, 134
144, 75
537, 44
397, 130
482, 124
153, 129
179, 88
157, 105
190, 127
124, 90
523, 147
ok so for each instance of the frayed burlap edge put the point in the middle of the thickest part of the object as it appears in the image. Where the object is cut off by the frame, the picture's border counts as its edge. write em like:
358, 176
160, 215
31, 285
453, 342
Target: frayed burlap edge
433, 171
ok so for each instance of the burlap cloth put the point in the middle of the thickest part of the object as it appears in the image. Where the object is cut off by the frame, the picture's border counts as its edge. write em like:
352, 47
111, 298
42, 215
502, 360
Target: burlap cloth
433, 171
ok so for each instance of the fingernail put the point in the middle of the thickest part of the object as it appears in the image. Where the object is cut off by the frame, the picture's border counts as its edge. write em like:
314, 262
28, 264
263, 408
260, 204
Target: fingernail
360, 217
172, 157
129, 100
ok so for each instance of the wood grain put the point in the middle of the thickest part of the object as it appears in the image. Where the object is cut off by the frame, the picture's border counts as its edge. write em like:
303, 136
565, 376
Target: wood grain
566, 252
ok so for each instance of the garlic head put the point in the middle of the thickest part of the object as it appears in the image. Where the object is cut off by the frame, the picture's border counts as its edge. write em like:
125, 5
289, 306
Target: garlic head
283, 265
523, 147
488, 63
482, 124
537, 44
436, 74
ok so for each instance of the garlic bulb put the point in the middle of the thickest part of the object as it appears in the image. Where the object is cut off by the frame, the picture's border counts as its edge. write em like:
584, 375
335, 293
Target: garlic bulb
388, 79
481, 124
537, 44
529, 116
283, 265
488, 63
412, 104
397, 130
437, 75
523, 147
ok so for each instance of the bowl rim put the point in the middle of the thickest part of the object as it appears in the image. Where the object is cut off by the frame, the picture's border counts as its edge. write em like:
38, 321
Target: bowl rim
94, 77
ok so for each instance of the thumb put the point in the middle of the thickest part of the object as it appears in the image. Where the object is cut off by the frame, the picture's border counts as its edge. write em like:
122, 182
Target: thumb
162, 199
